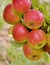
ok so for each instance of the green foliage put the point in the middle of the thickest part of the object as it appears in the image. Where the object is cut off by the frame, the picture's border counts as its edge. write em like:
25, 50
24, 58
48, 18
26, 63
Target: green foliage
16, 44
49, 60
46, 57
35, 4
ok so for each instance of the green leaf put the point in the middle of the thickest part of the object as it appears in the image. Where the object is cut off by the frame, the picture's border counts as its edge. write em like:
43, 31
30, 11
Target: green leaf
47, 19
43, 9
48, 60
16, 44
46, 57
48, 29
35, 4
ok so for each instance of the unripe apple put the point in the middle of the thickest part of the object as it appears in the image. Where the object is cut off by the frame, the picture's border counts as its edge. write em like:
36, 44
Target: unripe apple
21, 6
9, 15
32, 54
48, 39
37, 39
33, 19
20, 33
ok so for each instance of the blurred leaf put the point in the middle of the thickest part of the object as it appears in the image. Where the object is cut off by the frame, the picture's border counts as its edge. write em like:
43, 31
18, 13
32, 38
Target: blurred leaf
43, 9
46, 57
48, 29
16, 44
49, 60
35, 4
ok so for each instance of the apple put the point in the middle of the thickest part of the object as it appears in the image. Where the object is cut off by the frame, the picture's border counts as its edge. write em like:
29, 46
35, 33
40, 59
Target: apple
20, 33
47, 48
48, 39
9, 15
37, 39
21, 6
32, 54
33, 19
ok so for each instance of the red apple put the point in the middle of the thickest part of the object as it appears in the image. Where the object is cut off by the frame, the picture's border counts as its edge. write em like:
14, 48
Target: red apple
20, 33
21, 6
32, 54
37, 39
33, 19
9, 15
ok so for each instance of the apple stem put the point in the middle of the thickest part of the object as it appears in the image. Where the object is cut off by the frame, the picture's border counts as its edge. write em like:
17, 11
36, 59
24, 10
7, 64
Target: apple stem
21, 19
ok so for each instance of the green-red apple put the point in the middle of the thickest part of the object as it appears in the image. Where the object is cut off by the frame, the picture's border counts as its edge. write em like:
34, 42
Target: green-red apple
37, 39
9, 15
20, 33
33, 19
21, 6
32, 54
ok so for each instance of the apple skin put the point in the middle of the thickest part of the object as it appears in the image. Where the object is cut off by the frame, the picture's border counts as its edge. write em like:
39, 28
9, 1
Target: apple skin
20, 33
37, 39
48, 39
32, 54
21, 6
33, 19
9, 15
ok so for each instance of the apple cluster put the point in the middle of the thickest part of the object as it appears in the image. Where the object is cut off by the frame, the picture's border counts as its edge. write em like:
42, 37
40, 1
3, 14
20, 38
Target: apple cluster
27, 25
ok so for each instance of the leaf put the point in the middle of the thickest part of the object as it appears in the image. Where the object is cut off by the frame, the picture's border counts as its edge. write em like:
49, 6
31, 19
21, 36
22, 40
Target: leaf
12, 53
46, 57
16, 44
47, 19
49, 60
35, 4
43, 9
48, 29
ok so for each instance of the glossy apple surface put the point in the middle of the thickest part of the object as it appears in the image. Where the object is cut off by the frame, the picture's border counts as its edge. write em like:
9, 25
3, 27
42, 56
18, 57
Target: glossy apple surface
20, 33
32, 54
33, 19
37, 39
9, 15
21, 6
